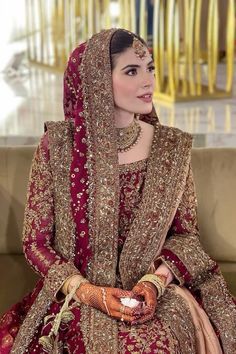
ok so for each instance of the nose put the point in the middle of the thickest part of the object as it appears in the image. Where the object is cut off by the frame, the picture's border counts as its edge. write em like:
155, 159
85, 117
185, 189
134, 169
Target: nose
147, 80
147, 84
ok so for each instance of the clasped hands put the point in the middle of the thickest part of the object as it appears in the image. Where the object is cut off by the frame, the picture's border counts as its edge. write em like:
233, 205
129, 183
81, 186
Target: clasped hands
109, 301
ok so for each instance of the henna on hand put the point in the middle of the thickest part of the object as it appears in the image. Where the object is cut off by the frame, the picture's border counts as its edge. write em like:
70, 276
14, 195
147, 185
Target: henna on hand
107, 300
149, 294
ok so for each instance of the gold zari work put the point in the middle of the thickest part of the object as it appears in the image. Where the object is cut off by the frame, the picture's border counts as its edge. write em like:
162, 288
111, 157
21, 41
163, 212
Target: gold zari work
56, 182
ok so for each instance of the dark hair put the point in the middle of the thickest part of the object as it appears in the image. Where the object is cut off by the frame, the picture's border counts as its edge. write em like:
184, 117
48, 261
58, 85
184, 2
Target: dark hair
122, 40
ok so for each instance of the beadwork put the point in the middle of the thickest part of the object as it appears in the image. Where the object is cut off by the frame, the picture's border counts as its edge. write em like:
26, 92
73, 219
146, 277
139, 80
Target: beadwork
139, 48
129, 136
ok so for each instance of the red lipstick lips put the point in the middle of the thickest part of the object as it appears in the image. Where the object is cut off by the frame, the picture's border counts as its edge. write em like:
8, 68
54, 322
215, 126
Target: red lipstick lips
147, 97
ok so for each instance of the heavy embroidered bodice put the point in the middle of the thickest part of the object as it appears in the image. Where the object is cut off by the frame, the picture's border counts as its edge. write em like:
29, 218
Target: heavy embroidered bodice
132, 177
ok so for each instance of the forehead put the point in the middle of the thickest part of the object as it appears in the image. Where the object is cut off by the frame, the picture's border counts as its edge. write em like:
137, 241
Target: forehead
130, 57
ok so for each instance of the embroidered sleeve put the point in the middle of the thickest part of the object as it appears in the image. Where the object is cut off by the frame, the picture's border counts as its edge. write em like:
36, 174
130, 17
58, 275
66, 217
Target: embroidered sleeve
38, 231
184, 256
182, 251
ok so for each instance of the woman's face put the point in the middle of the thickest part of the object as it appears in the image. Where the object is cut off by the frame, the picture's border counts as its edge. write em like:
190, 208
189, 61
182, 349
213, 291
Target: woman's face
133, 82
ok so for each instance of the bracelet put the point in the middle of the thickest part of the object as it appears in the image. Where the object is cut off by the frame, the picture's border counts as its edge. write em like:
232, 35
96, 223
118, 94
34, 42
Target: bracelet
76, 282
156, 281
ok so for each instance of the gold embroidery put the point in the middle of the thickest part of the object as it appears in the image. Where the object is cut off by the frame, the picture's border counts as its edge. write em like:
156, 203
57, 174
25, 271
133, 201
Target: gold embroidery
132, 178
133, 166
60, 135
221, 310
174, 313
57, 275
186, 245
31, 322
38, 218
165, 180
103, 184
58, 171
150, 337
99, 331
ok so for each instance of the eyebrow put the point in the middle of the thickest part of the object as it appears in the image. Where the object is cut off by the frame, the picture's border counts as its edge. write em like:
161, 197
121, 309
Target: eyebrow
135, 65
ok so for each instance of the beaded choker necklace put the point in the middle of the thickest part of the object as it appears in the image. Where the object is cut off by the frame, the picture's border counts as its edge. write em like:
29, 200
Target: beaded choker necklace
129, 136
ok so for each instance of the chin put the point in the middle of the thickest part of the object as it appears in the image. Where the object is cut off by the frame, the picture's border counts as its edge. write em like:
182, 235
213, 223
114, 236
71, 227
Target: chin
145, 110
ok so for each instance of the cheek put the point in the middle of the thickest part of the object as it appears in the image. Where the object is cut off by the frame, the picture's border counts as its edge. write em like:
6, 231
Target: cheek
122, 89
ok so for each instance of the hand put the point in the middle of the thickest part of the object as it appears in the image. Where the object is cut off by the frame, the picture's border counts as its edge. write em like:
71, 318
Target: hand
148, 292
106, 300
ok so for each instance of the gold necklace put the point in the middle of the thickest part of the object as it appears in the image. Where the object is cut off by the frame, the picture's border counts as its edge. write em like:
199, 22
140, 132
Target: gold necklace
129, 136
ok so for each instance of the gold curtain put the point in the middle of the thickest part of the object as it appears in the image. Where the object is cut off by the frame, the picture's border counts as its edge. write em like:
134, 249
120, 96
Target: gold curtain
184, 39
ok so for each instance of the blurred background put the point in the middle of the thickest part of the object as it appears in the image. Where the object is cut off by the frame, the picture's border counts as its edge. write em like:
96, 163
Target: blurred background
192, 41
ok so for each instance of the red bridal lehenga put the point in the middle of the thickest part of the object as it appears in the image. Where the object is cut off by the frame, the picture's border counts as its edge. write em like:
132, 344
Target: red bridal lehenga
112, 224
153, 337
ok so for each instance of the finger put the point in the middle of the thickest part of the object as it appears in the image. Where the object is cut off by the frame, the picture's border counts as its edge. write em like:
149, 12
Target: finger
122, 309
145, 311
150, 299
138, 293
140, 312
119, 293
123, 317
138, 289
150, 295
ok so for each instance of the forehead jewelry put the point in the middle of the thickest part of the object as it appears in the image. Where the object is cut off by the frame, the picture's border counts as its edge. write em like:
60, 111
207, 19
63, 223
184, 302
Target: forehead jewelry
139, 48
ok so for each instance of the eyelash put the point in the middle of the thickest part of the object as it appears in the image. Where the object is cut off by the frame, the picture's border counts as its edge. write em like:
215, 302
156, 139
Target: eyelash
134, 71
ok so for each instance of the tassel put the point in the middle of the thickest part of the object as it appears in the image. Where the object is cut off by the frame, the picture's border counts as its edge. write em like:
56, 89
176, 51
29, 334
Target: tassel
47, 343
67, 316
47, 318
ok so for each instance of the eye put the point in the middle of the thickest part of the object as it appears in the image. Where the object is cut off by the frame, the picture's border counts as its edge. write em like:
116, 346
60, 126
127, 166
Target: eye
151, 68
131, 72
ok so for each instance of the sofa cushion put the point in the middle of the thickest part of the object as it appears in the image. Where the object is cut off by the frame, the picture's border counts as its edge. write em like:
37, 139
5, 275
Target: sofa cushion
15, 165
215, 179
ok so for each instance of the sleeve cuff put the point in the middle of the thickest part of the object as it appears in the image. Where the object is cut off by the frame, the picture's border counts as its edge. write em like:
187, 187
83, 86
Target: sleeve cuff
56, 277
175, 265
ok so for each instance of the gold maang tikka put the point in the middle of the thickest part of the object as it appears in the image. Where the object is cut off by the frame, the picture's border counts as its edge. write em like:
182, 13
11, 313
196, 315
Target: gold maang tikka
139, 49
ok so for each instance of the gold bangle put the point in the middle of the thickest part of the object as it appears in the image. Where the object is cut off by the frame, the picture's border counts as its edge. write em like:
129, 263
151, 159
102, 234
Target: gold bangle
76, 282
156, 281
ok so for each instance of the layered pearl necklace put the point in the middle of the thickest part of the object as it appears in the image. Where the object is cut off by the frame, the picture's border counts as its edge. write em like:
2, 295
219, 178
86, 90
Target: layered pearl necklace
129, 136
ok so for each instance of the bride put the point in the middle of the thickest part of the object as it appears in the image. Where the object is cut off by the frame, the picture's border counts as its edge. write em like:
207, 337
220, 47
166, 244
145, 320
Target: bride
111, 223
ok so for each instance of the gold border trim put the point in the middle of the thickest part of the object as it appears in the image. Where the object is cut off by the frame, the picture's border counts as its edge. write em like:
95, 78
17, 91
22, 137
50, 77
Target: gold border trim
164, 185
100, 332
